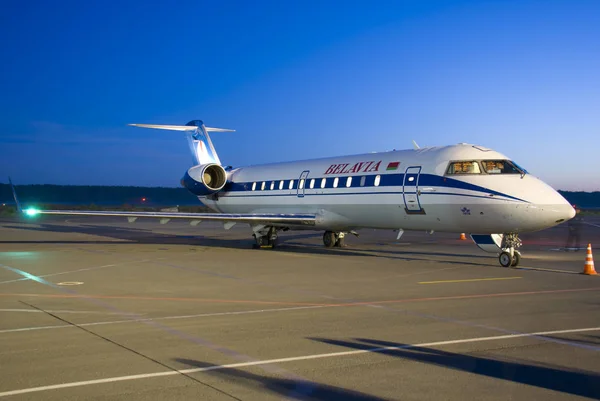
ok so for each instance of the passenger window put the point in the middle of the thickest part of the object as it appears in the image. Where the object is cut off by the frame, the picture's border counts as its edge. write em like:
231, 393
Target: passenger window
464, 167
301, 184
500, 167
253, 186
377, 179
281, 184
272, 185
349, 182
262, 187
335, 182
323, 182
291, 184
312, 183
363, 179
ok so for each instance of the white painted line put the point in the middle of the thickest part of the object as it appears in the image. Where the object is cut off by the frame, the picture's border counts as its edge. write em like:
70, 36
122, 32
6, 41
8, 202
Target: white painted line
84, 269
68, 283
67, 272
57, 311
590, 224
62, 326
569, 249
283, 360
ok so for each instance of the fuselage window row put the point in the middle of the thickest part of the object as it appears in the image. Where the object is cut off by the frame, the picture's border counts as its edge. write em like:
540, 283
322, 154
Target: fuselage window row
271, 184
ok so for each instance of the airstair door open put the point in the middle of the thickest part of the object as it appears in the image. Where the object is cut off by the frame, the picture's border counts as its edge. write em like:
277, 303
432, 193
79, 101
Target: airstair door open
302, 183
410, 190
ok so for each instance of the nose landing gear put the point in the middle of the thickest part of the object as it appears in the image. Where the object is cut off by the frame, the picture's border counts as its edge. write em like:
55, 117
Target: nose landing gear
509, 255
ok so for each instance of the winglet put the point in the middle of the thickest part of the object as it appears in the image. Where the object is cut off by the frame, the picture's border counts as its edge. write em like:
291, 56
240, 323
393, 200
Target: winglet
415, 145
19, 209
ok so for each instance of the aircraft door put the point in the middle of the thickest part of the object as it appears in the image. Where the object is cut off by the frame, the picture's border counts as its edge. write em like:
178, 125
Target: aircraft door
302, 181
410, 190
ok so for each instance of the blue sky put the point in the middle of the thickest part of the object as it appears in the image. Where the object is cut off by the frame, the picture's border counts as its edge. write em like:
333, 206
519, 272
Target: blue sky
296, 79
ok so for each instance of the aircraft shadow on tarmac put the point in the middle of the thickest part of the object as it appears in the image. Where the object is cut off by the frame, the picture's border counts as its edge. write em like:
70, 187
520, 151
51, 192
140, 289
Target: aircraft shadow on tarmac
287, 243
574, 382
290, 388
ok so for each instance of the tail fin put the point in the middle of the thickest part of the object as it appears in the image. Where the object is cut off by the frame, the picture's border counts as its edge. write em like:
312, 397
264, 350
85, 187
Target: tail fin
201, 146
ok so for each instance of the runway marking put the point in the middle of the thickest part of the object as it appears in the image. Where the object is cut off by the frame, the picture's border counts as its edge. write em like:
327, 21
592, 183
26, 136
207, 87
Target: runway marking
57, 311
60, 273
546, 270
141, 298
80, 270
331, 305
289, 359
70, 283
62, 326
468, 280
372, 303
570, 249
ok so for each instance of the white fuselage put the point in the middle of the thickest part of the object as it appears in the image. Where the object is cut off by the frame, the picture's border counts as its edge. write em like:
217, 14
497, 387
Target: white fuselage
408, 189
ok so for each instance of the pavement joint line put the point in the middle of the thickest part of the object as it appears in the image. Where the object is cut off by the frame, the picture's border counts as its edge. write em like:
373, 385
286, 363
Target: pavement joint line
543, 269
357, 303
301, 383
58, 311
288, 359
468, 280
161, 318
78, 270
372, 303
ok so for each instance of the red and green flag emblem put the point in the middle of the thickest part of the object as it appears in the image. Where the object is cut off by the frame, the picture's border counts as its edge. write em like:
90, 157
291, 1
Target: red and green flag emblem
393, 166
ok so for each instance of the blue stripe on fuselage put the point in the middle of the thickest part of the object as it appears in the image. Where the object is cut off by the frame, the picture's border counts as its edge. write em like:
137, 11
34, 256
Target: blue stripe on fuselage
386, 180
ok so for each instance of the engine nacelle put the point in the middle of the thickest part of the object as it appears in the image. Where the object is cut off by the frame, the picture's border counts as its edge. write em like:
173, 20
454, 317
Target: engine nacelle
205, 179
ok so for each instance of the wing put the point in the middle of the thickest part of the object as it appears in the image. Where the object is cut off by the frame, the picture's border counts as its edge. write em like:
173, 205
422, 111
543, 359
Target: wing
280, 219
194, 218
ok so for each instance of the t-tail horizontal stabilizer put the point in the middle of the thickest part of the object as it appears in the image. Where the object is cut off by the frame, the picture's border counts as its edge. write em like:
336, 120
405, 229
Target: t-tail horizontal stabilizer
200, 143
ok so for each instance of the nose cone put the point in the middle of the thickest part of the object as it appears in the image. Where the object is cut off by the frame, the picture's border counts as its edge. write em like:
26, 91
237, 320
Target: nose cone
564, 212
547, 206
571, 213
556, 207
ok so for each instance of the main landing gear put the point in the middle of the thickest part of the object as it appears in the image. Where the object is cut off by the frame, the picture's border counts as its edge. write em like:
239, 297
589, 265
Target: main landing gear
265, 237
333, 239
509, 255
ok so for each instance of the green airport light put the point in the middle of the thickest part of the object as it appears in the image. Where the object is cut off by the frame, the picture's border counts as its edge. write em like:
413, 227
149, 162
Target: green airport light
32, 211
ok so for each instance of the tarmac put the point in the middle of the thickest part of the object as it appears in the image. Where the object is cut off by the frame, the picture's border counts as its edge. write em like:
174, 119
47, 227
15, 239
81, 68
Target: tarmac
101, 309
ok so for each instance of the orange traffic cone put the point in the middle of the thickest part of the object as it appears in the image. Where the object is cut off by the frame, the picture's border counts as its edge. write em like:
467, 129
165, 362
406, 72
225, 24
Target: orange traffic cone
589, 262
463, 236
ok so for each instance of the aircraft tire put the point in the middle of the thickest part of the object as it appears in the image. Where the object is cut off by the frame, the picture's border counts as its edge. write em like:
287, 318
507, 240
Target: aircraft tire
340, 243
329, 239
505, 259
516, 259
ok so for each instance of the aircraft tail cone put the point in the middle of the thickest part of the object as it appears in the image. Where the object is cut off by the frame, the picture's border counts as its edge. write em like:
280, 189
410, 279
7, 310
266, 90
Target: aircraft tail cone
589, 262
463, 236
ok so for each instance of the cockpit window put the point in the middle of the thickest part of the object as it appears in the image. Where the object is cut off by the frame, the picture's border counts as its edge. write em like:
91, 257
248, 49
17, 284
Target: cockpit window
501, 167
464, 167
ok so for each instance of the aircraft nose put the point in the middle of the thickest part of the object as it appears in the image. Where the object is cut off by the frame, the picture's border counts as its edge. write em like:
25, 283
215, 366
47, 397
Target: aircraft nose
564, 212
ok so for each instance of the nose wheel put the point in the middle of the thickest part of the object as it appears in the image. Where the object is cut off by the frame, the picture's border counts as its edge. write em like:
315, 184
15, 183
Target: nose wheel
506, 260
510, 257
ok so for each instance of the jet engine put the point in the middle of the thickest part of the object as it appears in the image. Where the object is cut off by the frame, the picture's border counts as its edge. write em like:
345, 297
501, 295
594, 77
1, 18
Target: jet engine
205, 179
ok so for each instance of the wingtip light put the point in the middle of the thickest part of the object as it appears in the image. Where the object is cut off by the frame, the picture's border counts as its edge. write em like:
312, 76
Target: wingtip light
32, 211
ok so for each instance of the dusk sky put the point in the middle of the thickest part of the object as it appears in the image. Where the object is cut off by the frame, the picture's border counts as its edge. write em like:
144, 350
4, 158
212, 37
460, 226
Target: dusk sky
296, 80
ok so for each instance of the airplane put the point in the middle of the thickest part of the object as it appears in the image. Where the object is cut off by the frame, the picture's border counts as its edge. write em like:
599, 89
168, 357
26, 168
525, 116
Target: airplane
462, 188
